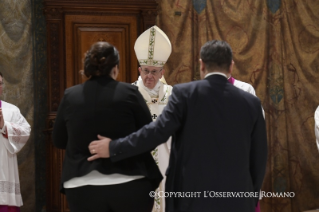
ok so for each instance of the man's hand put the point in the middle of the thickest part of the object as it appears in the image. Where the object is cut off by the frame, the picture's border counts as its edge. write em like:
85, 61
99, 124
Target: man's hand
99, 148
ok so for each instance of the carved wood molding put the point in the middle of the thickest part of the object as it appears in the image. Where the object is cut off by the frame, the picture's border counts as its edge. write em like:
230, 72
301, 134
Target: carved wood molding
53, 172
99, 1
103, 13
54, 64
53, 13
102, 4
149, 17
57, 13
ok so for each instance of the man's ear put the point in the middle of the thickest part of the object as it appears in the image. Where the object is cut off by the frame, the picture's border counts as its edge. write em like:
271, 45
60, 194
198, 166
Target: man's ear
202, 69
202, 65
230, 70
163, 71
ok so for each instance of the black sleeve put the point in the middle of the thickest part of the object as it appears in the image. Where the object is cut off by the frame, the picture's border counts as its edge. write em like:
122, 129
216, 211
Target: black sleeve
258, 151
153, 134
60, 134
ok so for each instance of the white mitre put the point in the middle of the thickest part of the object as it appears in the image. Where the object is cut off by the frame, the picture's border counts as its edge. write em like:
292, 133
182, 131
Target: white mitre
152, 47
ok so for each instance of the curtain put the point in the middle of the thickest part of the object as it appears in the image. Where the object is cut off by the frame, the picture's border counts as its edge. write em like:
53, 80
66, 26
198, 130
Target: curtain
275, 47
16, 67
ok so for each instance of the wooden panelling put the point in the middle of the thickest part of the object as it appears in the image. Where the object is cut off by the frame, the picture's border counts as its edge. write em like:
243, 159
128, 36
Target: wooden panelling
82, 31
72, 27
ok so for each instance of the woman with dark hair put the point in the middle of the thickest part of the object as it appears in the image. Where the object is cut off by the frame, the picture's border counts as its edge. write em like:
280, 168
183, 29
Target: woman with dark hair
109, 108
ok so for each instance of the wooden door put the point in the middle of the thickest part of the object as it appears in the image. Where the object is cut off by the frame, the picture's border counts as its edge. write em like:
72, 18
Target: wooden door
82, 31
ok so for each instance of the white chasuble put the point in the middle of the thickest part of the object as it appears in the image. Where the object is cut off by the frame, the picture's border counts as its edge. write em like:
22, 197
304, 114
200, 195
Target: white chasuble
14, 135
161, 153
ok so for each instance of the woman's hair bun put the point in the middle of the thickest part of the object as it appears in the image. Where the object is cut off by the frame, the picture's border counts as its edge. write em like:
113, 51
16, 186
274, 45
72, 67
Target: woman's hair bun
100, 59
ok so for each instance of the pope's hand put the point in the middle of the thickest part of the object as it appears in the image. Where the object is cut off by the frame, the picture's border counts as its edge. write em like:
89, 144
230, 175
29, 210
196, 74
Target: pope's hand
99, 148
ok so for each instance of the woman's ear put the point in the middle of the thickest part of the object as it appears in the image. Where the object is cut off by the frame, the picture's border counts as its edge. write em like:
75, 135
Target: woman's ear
115, 72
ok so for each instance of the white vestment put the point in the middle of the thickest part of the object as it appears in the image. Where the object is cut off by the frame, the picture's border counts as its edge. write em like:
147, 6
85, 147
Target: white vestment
244, 86
161, 153
17, 130
317, 126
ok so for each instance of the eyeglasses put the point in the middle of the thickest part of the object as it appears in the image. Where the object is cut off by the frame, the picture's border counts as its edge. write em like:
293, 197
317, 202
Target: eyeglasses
154, 72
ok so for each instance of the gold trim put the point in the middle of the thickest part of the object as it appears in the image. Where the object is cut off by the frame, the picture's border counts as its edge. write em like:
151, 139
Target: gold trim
151, 62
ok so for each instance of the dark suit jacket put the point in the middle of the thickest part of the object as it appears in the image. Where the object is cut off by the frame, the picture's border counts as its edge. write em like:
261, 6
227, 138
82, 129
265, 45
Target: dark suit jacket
109, 108
220, 145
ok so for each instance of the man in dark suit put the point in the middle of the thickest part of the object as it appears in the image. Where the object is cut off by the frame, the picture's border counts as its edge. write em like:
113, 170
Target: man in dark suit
219, 147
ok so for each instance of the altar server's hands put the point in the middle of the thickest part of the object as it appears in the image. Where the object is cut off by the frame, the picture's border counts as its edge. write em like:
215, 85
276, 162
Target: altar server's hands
99, 148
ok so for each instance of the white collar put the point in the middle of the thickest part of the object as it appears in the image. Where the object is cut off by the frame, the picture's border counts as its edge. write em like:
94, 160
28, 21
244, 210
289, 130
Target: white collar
152, 92
213, 73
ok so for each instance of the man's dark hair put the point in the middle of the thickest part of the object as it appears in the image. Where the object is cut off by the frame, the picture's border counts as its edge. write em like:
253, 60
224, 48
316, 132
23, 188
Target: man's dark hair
1, 75
100, 59
216, 54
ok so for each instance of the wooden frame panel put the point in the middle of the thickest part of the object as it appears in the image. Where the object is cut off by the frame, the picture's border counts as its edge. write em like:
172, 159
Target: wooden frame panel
82, 31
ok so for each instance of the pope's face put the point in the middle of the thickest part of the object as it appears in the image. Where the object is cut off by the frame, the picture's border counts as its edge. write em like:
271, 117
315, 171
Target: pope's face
150, 75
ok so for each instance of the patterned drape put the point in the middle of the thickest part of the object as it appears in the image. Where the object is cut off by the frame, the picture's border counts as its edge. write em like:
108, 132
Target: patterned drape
276, 49
16, 66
